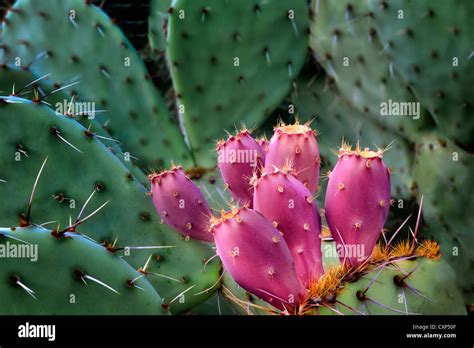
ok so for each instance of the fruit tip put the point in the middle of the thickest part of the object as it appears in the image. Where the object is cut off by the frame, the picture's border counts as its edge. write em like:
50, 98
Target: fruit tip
157, 175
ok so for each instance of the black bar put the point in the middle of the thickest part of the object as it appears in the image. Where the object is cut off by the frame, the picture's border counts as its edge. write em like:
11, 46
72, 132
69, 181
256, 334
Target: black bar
241, 330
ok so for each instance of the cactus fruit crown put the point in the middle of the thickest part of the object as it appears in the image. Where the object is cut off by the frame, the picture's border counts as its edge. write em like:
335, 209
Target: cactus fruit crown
226, 215
298, 143
295, 128
191, 173
221, 143
157, 176
287, 169
346, 150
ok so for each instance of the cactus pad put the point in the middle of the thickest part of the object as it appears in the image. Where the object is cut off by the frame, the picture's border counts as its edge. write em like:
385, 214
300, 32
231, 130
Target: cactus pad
91, 51
348, 46
232, 62
430, 43
443, 177
77, 166
68, 275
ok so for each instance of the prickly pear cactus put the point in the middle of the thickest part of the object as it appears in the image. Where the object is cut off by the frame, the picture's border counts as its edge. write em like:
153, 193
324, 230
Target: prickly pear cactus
103, 68
232, 62
443, 180
82, 119
81, 175
68, 274
357, 203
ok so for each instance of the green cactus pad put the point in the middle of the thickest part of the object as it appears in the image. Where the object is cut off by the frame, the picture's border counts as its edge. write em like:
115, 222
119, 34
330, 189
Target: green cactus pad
89, 49
443, 177
430, 43
18, 82
348, 47
232, 62
21, 83
429, 289
212, 186
32, 132
241, 301
68, 275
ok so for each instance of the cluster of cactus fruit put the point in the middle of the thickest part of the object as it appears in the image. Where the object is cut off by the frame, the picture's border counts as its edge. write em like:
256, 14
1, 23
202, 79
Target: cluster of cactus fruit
270, 239
83, 123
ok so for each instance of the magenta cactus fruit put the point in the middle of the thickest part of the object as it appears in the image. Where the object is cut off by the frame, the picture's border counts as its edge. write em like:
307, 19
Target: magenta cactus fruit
257, 257
357, 202
288, 204
238, 158
295, 144
181, 204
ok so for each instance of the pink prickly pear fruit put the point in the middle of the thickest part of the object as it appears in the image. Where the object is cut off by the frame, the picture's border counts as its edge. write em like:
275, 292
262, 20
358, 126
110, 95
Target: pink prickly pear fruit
181, 204
238, 158
295, 144
288, 204
257, 257
357, 202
